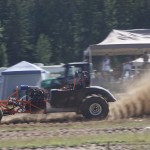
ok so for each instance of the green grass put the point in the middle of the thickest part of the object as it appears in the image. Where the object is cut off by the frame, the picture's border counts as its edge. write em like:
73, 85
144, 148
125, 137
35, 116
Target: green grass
126, 138
70, 140
113, 124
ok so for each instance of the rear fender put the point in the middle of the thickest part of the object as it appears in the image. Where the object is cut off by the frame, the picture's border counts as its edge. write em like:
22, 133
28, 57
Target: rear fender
106, 94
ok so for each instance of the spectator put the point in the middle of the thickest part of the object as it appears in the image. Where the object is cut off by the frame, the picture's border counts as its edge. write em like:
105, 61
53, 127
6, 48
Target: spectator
127, 68
106, 67
145, 60
106, 64
145, 57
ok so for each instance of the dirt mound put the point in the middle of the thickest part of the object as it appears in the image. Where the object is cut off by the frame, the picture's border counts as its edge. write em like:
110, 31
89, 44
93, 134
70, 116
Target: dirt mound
53, 118
135, 101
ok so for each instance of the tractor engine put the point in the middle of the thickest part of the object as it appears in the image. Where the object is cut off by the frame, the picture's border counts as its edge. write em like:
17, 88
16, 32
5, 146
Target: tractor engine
36, 94
37, 97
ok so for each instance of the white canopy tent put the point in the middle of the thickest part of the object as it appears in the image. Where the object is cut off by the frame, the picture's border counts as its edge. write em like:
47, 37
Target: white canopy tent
122, 42
137, 63
23, 73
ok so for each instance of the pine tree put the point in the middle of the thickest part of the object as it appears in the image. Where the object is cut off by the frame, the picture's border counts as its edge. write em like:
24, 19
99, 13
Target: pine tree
18, 37
43, 50
3, 53
3, 56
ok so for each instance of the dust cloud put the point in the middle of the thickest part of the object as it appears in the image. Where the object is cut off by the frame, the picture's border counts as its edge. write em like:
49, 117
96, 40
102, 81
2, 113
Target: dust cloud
41, 118
135, 101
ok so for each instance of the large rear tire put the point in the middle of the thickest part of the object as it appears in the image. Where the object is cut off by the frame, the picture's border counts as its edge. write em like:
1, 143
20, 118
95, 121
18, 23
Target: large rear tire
1, 114
94, 106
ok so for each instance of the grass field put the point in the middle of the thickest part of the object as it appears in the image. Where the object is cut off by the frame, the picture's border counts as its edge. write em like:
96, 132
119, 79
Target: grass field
135, 132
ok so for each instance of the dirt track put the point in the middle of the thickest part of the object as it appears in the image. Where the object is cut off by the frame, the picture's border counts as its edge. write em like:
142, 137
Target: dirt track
63, 121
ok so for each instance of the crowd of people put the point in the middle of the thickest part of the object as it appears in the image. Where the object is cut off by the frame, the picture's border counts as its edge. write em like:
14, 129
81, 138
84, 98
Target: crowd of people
106, 72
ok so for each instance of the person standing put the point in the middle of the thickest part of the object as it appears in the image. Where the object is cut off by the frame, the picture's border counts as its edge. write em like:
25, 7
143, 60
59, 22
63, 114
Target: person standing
106, 64
106, 67
145, 57
127, 68
145, 60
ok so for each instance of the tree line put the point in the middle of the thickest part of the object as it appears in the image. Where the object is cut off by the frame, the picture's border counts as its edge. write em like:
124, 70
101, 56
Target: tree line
55, 31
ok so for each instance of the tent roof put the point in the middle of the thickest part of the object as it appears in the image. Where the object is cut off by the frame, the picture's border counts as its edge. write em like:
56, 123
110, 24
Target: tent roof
119, 42
23, 67
135, 36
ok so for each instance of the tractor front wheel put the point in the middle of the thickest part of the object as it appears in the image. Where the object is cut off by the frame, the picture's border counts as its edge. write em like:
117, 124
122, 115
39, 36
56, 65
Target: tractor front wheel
1, 114
95, 106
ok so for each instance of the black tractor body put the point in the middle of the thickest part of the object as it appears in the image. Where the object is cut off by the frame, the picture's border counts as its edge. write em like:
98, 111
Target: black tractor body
78, 96
74, 98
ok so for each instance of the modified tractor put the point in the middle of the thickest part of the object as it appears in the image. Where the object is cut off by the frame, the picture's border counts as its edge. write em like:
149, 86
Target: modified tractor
73, 95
